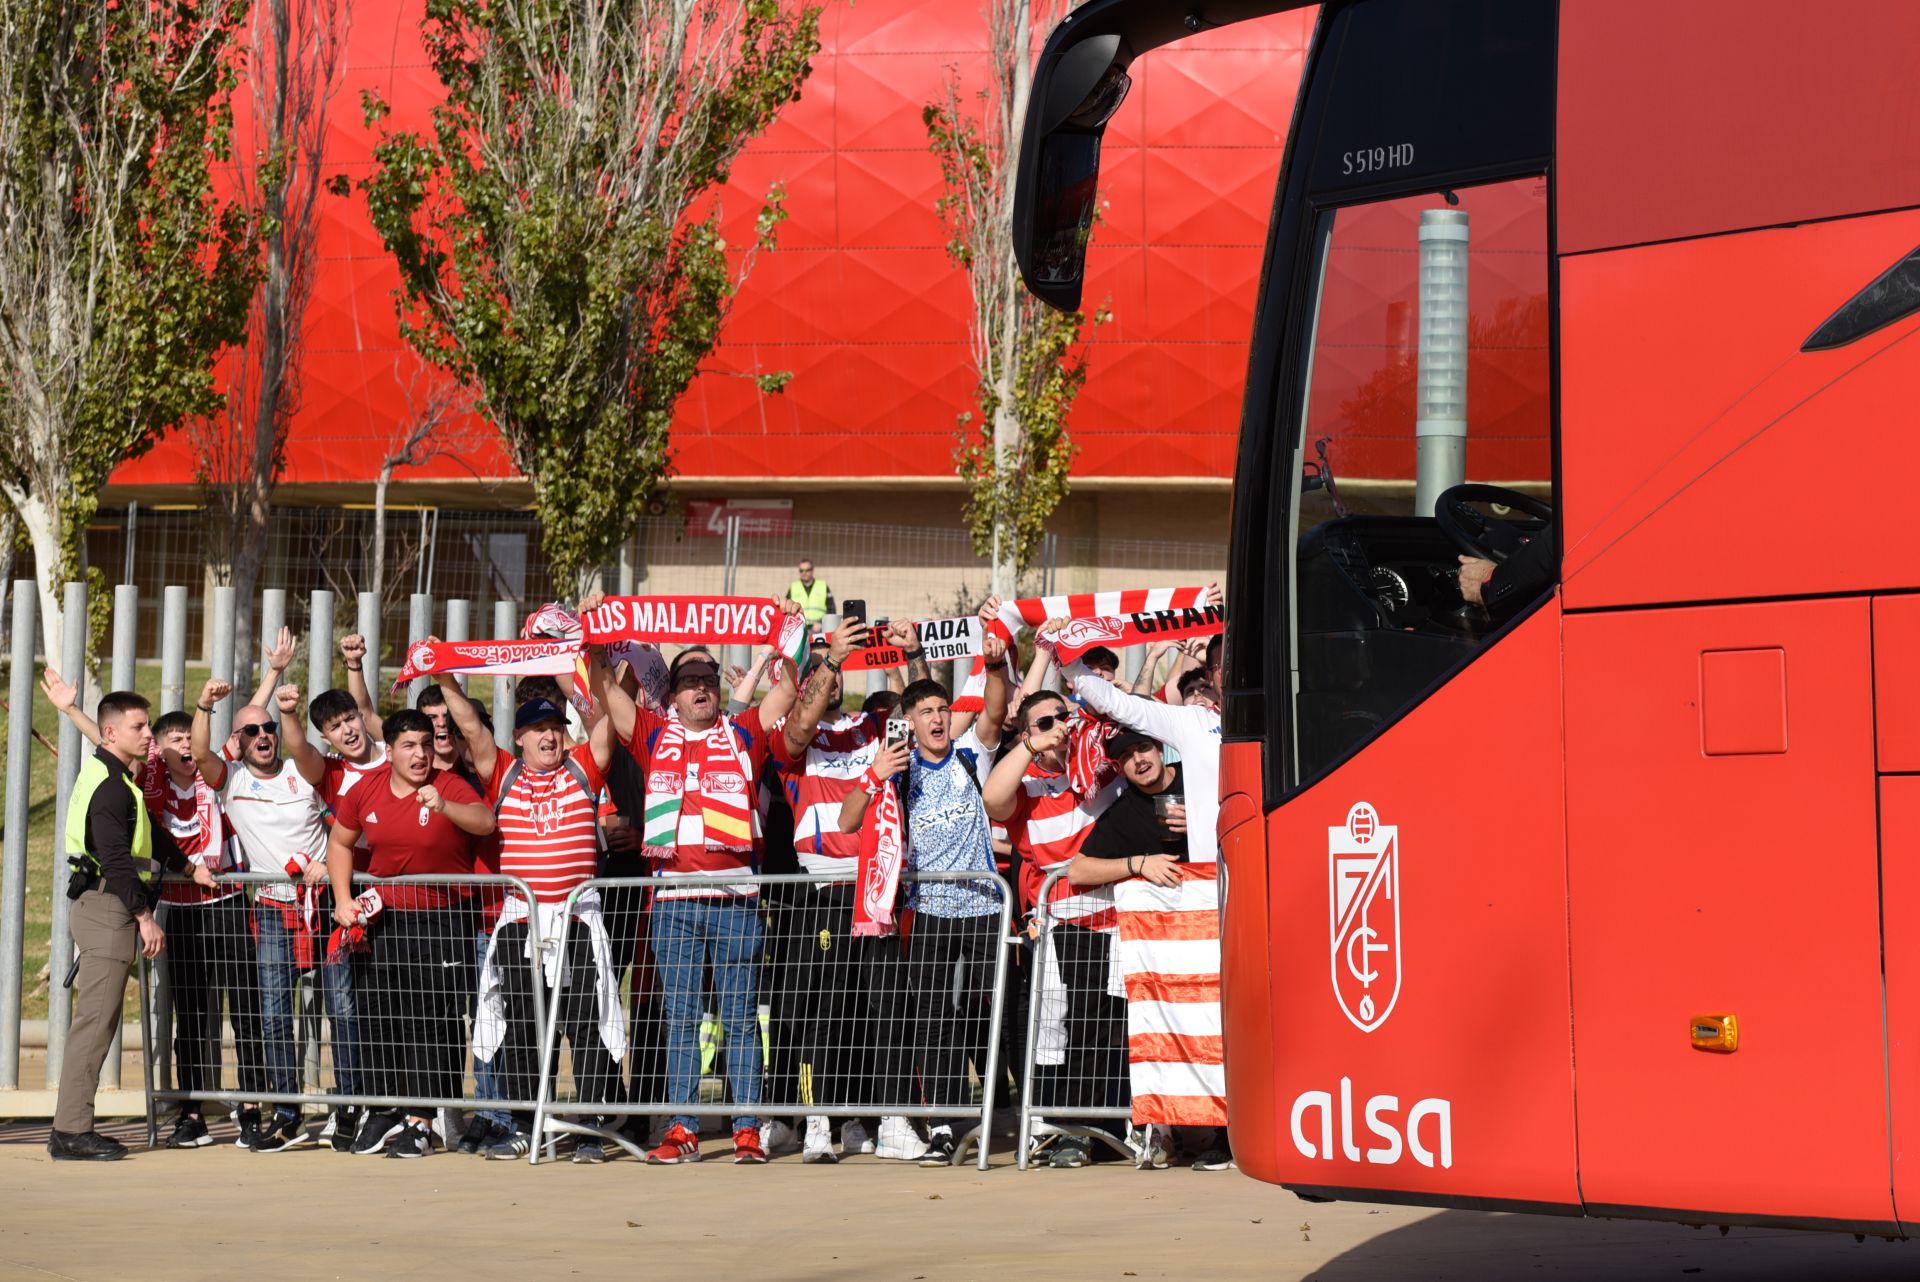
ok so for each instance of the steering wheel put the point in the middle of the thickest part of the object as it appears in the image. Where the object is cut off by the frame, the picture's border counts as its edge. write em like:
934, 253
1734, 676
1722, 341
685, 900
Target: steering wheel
1490, 539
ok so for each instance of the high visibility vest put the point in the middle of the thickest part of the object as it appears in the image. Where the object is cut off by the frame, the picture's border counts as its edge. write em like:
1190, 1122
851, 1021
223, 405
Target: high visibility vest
93, 773
813, 603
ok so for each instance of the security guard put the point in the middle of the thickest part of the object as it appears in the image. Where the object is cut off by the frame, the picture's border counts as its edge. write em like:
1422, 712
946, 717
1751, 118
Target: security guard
814, 596
110, 846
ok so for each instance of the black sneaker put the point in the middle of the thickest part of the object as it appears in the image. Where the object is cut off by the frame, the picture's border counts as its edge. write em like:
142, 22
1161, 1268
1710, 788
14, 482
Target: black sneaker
415, 1140
285, 1131
1071, 1153
342, 1128
589, 1152
189, 1132
249, 1136
84, 1146
376, 1131
478, 1137
512, 1148
939, 1147
1214, 1159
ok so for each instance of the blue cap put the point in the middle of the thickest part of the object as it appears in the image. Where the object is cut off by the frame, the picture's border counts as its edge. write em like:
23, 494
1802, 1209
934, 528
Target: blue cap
534, 711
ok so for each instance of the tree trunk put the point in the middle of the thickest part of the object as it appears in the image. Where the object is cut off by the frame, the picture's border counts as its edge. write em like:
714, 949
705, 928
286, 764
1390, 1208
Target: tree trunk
377, 577
42, 519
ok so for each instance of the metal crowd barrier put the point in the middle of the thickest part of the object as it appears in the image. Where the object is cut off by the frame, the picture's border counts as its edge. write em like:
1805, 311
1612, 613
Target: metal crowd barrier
1075, 1067
401, 1016
834, 1026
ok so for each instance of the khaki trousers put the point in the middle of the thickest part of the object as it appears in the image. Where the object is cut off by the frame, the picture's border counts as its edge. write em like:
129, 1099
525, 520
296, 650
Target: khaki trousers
108, 941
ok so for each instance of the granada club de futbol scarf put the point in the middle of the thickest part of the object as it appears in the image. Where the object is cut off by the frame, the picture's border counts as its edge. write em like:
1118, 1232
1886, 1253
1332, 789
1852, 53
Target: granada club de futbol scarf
490, 658
1134, 616
940, 639
877, 875
699, 792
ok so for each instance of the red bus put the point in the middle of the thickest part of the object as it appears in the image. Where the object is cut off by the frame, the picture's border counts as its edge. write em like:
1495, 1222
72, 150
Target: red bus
1591, 897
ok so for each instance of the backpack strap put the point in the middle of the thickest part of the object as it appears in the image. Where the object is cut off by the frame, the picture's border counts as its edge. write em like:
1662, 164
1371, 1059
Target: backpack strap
574, 771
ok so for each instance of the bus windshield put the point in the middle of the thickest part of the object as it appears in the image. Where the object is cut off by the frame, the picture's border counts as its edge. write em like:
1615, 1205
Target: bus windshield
1428, 367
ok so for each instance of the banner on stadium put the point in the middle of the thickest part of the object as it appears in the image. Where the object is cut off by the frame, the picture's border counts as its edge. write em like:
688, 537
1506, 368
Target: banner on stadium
685, 620
490, 658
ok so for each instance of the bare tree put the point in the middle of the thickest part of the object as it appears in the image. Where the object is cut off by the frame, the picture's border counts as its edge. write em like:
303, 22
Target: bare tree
1028, 364
122, 276
295, 66
439, 424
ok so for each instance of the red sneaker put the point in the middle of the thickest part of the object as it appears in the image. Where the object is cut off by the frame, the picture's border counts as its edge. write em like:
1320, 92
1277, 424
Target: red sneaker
746, 1145
680, 1145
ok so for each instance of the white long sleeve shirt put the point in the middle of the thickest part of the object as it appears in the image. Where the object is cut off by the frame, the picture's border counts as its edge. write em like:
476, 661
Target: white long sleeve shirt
1193, 731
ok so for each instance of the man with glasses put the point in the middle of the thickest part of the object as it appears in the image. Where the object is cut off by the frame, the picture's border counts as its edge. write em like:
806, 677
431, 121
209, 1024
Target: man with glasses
280, 820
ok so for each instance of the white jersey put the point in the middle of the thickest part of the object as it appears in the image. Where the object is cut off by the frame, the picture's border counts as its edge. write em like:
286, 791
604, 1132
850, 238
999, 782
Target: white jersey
1194, 732
276, 818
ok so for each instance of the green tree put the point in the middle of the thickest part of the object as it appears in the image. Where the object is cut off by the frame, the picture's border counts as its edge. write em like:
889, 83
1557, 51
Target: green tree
1014, 451
122, 276
556, 232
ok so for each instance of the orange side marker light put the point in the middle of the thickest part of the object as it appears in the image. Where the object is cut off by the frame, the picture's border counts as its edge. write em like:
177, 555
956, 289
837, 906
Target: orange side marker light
1719, 1034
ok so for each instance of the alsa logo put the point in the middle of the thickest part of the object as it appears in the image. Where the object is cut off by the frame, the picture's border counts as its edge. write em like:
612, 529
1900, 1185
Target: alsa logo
1363, 871
1080, 633
1381, 1114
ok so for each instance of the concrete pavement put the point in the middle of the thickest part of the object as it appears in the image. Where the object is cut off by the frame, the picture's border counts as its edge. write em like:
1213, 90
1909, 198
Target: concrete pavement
221, 1213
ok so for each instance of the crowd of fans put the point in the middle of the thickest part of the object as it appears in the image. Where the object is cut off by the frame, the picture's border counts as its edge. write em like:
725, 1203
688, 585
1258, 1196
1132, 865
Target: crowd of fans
692, 783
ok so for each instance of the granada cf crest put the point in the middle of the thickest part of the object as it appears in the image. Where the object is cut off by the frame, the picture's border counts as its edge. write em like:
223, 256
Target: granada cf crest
1363, 867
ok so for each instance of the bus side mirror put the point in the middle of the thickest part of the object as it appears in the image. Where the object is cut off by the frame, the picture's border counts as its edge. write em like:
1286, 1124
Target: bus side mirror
1058, 182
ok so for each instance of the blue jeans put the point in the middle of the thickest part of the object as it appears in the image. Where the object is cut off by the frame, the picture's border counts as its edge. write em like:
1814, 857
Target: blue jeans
486, 1082
278, 975
689, 935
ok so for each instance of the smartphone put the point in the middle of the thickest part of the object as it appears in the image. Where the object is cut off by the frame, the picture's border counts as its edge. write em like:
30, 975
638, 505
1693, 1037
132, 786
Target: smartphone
854, 609
898, 730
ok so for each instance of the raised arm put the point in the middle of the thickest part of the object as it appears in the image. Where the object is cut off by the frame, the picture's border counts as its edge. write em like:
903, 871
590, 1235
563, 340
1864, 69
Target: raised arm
1144, 683
353, 653
622, 713
812, 709
212, 768
66, 701
993, 713
743, 683
1149, 716
481, 749
277, 658
889, 762
780, 699
1042, 659
293, 737
905, 633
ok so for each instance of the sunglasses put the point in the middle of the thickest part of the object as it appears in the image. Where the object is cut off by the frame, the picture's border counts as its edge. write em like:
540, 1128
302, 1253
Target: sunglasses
1043, 724
248, 732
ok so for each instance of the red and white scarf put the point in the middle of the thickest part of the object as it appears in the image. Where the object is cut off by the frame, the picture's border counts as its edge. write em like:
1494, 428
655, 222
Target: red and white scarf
684, 620
699, 793
883, 848
1134, 616
490, 658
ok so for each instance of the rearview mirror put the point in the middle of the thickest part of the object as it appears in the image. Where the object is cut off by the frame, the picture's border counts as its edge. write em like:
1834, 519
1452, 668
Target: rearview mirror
1060, 166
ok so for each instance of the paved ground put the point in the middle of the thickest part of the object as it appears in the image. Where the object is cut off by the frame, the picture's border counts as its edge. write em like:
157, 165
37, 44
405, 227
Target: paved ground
221, 1213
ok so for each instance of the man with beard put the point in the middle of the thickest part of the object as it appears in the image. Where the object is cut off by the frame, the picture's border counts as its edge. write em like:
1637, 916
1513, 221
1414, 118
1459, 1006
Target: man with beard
280, 820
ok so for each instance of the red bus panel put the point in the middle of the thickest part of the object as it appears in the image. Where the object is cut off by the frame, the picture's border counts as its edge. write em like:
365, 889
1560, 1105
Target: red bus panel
1722, 860
1900, 890
1433, 862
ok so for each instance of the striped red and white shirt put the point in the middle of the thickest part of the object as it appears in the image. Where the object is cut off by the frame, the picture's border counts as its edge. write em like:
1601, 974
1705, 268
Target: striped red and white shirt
816, 785
193, 817
1050, 822
549, 834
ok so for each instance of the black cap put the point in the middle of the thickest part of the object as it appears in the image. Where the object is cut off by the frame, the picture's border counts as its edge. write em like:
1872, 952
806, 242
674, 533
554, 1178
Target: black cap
1121, 742
534, 711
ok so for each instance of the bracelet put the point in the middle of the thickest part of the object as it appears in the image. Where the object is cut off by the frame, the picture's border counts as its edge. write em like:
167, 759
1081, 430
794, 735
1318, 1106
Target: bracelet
832, 663
870, 782
353, 667
204, 708
914, 654
1130, 868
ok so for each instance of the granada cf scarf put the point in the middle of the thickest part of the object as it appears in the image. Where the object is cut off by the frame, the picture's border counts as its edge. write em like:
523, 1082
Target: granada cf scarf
1169, 957
684, 620
699, 792
882, 851
554, 621
1131, 617
490, 658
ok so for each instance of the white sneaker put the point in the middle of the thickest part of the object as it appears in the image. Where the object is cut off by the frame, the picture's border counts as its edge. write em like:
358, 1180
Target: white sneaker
445, 1124
854, 1139
899, 1142
778, 1138
1150, 1147
819, 1146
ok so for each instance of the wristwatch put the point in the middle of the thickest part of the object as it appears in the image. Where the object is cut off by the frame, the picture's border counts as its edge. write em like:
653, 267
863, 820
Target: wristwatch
915, 652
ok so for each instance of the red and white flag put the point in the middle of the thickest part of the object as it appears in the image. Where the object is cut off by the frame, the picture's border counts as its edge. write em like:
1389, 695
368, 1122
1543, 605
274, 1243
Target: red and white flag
1169, 942
1133, 616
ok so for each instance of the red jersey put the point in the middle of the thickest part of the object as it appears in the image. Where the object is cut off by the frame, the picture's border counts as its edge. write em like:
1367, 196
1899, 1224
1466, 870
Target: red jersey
717, 859
404, 838
193, 817
819, 781
549, 831
1049, 824
337, 780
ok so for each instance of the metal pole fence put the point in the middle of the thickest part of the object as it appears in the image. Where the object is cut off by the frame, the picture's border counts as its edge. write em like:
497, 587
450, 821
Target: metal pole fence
504, 628
221, 721
1072, 1056
13, 905
73, 666
319, 652
273, 617
368, 626
173, 649
419, 624
916, 1021
458, 629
